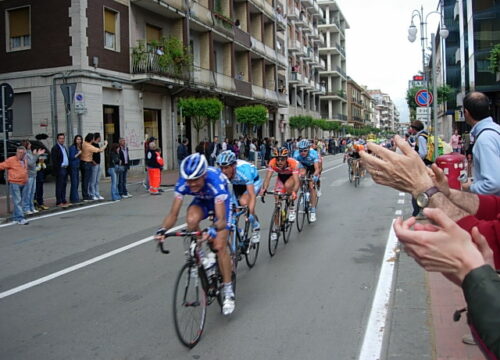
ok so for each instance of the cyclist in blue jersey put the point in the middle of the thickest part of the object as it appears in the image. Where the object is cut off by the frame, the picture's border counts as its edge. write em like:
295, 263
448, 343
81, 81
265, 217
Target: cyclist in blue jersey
210, 189
246, 185
309, 161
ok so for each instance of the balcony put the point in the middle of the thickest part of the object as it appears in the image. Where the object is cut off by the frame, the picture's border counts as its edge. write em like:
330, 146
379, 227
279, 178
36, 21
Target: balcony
315, 8
304, 82
259, 92
202, 14
307, 3
332, 48
223, 24
148, 62
282, 60
203, 77
294, 77
225, 83
242, 37
280, 19
283, 99
265, 7
258, 46
243, 88
331, 25
270, 53
294, 46
167, 8
293, 13
301, 21
314, 33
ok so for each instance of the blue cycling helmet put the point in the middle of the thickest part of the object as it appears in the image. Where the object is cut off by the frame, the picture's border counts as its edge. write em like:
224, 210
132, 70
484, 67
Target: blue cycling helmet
193, 166
303, 144
226, 158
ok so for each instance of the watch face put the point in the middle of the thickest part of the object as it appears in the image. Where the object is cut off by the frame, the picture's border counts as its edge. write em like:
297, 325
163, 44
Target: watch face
422, 200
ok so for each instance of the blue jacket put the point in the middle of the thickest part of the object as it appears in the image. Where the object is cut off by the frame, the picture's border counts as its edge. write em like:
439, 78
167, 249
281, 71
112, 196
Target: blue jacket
73, 162
486, 155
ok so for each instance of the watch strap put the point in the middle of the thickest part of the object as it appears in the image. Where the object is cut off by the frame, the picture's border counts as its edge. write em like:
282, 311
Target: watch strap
431, 191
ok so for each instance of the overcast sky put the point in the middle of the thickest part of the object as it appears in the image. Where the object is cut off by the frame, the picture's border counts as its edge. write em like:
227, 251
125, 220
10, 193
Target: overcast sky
379, 54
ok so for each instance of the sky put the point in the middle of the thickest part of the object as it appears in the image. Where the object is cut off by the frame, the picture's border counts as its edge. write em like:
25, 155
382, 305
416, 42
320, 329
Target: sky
378, 52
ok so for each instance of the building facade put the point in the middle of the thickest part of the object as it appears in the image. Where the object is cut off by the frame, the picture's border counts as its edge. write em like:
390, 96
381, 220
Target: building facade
332, 53
120, 63
386, 112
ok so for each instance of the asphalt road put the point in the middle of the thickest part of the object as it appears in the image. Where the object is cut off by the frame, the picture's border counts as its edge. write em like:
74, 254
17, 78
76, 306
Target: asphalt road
310, 301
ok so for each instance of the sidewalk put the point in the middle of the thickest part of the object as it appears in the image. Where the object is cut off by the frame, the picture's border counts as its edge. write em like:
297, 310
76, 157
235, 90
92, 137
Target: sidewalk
134, 186
445, 298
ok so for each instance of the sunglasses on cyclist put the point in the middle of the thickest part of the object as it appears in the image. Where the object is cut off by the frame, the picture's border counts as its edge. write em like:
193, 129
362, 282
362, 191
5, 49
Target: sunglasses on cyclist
303, 150
281, 158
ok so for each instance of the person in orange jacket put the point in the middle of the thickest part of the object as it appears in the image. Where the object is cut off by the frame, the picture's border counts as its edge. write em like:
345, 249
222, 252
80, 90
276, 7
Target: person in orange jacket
154, 163
17, 177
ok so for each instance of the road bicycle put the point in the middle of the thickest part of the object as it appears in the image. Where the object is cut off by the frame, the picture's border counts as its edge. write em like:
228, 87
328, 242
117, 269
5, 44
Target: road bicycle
198, 284
241, 237
279, 220
354, 171
304, 203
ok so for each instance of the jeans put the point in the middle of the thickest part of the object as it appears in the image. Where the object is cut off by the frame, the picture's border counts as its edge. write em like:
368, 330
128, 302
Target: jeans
87, 174
75, 180
94, 181
115, 195
40, 179
61, 182
262, 160
122, 182
29, 194
16, 192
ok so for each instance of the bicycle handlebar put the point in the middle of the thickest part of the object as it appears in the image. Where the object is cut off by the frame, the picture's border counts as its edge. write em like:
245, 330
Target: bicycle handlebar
177, 234
275, 193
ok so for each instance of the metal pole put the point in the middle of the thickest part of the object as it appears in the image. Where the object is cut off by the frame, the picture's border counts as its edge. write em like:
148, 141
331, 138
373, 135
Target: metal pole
434, 93
5, 154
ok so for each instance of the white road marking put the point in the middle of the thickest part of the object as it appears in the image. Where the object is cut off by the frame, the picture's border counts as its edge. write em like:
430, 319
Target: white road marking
374, 335
398, 212
401, 194
79, 266
401, 201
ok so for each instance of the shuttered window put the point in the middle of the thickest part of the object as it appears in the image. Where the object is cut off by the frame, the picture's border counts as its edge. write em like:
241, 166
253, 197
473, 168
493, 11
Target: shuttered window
19, 31
152, 33
111, 30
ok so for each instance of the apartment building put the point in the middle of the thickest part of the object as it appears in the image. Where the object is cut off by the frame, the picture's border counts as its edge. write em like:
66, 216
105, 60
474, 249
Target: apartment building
304, 41
387, 115
332, 53
474, 28
105, 66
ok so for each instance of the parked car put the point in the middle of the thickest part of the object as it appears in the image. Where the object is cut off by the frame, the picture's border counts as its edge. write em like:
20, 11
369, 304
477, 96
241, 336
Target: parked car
11, 151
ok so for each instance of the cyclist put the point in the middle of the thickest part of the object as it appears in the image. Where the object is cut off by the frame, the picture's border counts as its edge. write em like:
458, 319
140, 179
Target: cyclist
210, 189
352, 152
318, 150
309, 160
288, 177
246, 185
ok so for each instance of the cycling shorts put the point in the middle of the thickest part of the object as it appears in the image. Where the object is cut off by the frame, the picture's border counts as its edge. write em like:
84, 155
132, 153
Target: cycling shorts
208, 206
242, 189
309, 169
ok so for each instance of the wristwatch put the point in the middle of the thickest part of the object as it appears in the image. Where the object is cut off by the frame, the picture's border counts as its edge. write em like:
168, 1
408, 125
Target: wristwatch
424, 197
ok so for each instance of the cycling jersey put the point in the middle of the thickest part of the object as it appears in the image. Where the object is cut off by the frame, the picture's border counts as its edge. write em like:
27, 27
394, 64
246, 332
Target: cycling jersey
309, 160
246, 174
291, 167
215, 190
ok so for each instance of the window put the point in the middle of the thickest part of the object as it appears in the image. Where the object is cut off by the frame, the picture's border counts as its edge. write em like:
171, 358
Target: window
19, 31
111, 33
153, 33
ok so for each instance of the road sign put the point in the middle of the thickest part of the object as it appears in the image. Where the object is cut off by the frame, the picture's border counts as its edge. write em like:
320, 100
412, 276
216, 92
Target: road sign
9, 95
423, 111
68, 91
423, 97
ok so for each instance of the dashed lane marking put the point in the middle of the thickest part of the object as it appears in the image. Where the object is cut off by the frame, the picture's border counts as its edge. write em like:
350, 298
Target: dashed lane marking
401, 201
398, 212
402, 194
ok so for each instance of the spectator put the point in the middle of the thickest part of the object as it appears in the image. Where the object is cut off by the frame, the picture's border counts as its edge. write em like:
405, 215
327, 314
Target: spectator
214, 149
41, 169
242, 149
155, 163
455, 141
466, 262
268, 145
115, 162
30, 188
60, 163
74, 168
486, 149
123, 169
146, 149
252, 152
17, 179
96, 170
262, 150
224, 144
182, 151
88, 149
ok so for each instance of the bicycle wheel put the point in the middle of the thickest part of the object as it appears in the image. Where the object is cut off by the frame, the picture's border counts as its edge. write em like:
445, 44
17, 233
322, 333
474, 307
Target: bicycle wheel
350, 171
287, 226
274, 229
189, 306
252, 249
301, 212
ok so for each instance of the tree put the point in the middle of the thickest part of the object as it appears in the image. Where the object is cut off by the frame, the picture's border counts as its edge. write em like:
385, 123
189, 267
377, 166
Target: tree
251, 116
202, 111
300, 122
410, 97
444, 93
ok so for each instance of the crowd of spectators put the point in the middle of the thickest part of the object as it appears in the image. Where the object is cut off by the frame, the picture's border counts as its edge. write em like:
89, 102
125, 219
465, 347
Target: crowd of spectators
462, 236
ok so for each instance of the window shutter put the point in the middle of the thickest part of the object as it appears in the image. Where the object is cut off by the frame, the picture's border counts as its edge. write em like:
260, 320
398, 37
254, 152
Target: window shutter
19, 22
109, 21
152, 33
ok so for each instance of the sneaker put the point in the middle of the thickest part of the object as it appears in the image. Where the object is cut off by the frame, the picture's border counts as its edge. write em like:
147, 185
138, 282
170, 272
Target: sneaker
313, 217
29, 212
100, 197
44, 207
274, 236
228, 304
255, 237
35, 211
22, 222
95, 198
291, 215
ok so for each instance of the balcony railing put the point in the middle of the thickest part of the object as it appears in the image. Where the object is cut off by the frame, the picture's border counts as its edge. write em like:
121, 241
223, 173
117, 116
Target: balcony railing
340, 71
149, 63
203, 76
259, 92
282, 59
281, 21
265, 7
282, 99
201, 13
243, 88
293, 13
225, 82
223, 23
242, 37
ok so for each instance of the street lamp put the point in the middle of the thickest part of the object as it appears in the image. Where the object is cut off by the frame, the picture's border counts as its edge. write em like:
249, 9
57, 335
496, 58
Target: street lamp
412, 36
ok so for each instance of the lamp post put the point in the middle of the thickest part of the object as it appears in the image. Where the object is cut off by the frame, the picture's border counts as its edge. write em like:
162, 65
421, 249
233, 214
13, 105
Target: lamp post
412, 35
